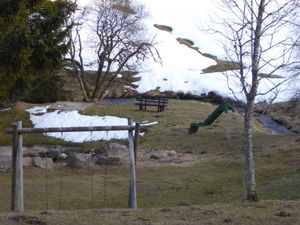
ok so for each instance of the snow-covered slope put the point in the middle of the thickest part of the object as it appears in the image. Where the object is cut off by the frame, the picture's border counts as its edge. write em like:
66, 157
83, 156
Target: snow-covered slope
181, 68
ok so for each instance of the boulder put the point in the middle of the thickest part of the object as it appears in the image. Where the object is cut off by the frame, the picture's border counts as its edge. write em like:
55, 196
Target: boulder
28, 161
43, 163
79, 160
111, 153
161, 154
48, 151
54, 154
109, 161
283, 213
30, 154
5, 162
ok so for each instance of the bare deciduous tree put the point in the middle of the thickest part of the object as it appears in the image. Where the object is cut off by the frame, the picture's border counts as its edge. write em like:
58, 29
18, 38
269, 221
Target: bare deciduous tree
255, 36
75, 53
118, 40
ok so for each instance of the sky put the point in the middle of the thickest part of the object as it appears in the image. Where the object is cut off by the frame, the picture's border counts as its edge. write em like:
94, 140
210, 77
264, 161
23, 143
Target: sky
181, 67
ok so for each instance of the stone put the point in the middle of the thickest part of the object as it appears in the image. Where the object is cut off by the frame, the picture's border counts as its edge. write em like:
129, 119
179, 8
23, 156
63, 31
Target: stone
30, 154
111, 153
283, 213
63, 156
43, 163
51, 153
79, 160
227, 220
161, 154
28, 161
5, 162
109, 161
37, 150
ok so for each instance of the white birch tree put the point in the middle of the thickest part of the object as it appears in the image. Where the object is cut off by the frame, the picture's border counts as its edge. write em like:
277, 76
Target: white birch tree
256, 36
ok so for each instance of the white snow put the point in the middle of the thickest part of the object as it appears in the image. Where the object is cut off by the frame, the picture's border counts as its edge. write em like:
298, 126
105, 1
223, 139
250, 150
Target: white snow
41, 118
5, 110
181, 68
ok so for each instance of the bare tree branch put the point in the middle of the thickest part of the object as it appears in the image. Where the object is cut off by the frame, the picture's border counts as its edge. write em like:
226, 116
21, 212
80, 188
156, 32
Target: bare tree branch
116, 36
256, 37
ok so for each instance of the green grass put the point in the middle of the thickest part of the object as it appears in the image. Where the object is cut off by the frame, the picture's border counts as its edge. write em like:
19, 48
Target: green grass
18, 113
209, 190
173, 123
245, 213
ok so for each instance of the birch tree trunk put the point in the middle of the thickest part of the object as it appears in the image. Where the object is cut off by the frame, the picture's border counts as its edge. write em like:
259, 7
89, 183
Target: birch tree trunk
251, 31
248, 152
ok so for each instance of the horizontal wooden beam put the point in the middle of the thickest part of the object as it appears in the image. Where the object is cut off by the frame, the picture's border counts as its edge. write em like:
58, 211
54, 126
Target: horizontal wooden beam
76, 129
70, 129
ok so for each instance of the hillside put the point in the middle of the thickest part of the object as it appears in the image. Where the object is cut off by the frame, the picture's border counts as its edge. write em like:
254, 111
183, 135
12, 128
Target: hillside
203, 181
192, 59
121, 87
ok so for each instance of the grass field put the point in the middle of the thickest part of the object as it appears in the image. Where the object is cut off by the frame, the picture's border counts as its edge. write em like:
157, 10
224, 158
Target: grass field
208, 188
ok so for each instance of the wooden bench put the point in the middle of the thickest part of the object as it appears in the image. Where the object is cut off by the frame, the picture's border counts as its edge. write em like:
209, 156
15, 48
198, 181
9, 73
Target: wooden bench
143, 101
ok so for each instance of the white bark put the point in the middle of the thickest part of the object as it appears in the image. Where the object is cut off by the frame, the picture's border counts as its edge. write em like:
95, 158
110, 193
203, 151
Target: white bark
249, 32
248, 152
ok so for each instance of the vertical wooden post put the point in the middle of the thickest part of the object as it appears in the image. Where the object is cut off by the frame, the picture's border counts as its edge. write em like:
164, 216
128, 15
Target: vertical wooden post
132, 203
19, 169
136, 136
13, 167
16, 202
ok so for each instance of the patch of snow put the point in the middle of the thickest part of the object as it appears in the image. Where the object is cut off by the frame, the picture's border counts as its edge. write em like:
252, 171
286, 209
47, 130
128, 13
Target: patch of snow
149, 124
128, 87
38, 110
5, 110
40, 118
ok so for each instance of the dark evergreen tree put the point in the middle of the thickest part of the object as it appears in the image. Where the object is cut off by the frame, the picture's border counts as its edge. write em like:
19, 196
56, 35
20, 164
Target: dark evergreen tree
33, 41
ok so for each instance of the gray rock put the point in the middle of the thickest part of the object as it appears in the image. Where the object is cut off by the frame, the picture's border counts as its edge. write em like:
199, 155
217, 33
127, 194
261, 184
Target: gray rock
51, 153
28, 161
109, 161
111, 153
37, 150
43, 162
79, 160
161, 154
30, 154
5, 162
283, 213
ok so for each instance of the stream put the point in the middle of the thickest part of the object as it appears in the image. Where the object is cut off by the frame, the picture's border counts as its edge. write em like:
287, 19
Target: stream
273, 126
118, 101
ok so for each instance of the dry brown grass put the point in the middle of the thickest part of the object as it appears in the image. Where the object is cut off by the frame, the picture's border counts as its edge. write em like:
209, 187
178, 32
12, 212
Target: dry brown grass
210, 190
163, 27
265, 212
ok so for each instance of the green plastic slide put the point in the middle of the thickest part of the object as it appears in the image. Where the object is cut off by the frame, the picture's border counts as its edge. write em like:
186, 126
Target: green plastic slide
223, 107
